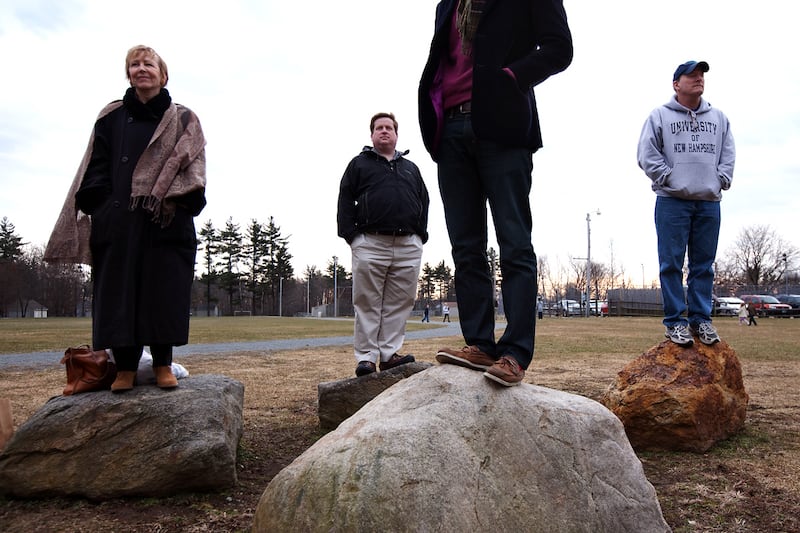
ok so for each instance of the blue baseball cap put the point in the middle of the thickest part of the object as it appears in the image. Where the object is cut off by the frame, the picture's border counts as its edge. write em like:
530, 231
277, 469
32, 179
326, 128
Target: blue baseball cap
688, 68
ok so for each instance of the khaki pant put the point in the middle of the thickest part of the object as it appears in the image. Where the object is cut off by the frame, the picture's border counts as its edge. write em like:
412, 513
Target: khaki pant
385, 273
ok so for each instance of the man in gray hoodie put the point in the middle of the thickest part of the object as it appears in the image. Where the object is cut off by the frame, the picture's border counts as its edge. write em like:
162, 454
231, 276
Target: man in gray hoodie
686, 149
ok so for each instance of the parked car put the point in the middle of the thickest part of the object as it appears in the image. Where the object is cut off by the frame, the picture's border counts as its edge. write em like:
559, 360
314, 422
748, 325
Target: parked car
727, 305
791, 299
766, 305
596, 307
569, 308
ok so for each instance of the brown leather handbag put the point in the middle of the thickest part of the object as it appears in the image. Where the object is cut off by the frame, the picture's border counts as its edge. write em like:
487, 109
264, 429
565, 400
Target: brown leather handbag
88, 370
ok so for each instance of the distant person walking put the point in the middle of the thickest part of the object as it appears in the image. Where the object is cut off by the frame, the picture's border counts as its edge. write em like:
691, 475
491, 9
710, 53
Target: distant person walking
743, 318
751, 314
383, 216
445, 313
540, 308
686, 149
426, 314
130, 214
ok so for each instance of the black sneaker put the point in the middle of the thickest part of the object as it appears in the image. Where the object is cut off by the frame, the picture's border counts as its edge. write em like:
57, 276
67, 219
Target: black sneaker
364, 368
396, 360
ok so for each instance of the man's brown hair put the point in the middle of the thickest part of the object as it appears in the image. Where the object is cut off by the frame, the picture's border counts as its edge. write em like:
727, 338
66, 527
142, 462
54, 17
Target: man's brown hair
379, 116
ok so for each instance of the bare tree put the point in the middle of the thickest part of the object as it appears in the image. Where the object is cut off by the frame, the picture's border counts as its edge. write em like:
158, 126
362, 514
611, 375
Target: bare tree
758, 254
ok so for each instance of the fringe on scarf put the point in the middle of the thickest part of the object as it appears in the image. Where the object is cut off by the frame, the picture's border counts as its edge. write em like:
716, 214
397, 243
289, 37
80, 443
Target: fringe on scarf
163, 211
467, 20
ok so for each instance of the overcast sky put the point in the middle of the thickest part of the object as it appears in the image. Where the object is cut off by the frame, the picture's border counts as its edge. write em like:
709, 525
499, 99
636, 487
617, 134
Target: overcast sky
285, 91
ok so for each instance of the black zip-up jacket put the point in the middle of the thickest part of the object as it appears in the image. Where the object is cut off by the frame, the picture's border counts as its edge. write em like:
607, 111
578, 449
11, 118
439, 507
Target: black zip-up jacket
378, 195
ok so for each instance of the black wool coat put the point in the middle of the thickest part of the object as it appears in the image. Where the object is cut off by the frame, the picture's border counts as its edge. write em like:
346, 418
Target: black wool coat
142, 272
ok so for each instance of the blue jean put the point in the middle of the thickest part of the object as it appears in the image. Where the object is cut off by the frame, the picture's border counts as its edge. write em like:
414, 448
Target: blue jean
473, 172
682, 225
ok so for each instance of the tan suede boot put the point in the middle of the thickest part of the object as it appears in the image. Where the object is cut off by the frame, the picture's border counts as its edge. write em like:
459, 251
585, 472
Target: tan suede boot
124, 381
164, 377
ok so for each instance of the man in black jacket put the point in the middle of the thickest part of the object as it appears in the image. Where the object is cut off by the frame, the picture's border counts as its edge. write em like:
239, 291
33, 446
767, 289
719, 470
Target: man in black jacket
383, 216
479, 122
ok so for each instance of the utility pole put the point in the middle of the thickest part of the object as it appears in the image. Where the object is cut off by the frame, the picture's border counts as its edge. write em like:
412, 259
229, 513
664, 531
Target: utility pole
589, 264
335, 288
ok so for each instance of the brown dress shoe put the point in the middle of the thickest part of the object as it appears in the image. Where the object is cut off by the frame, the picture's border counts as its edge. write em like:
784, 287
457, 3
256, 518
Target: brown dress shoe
124, 381
165, 379
468, 356
506, 371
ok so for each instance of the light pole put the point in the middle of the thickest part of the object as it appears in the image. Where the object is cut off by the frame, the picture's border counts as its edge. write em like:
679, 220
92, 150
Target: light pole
280, 296
335, 289
785, 274
589, 263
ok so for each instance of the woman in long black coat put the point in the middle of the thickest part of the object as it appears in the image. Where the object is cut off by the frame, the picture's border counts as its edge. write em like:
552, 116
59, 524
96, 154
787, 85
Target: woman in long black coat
144, 181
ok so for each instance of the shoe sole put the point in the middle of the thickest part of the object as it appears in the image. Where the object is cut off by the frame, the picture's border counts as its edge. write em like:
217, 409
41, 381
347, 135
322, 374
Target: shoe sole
713, 342
500, 380
681, 344
447, 358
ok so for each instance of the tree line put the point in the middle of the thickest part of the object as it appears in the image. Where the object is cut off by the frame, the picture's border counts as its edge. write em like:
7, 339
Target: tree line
249, 271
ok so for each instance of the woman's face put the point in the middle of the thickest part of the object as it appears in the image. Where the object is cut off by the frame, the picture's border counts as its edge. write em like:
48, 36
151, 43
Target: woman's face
145, 75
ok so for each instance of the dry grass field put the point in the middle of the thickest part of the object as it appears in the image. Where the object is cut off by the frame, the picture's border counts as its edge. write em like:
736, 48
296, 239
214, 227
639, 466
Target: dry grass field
746, 484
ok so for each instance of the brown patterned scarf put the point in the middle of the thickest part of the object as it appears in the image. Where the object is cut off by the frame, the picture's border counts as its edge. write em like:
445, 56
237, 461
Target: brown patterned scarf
173, 164
469, 16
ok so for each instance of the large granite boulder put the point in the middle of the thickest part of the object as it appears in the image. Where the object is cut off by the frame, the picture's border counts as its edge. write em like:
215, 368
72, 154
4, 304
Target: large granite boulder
448, 450
145, 442
680, 399
337, 400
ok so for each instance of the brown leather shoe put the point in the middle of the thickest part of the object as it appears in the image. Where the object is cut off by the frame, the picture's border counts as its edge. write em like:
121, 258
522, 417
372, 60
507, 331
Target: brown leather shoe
396, 360
124, 381
468, 356
164, 377
506, 371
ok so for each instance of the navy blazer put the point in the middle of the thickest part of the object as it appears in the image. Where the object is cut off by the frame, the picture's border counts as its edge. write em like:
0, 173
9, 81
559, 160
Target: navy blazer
530, 37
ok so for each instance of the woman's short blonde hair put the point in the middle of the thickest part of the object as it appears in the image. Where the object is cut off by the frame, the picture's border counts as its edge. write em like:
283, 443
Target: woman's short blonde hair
141, 49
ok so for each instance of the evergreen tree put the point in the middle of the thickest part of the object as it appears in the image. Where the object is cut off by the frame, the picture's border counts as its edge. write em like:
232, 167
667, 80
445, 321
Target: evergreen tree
230, 251
427, 283
10, 243
277, 260
209, 239
443, 277
254, 255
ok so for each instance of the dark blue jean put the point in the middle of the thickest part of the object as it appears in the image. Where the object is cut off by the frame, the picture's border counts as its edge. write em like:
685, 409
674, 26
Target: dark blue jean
473, 172
683, 225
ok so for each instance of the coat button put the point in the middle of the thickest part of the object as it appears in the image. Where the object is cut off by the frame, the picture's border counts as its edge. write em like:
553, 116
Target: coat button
130, 119
115, 203
124, 158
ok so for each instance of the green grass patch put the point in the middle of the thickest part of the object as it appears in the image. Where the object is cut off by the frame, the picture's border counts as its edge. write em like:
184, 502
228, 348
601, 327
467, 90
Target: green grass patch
556, 338
24, 335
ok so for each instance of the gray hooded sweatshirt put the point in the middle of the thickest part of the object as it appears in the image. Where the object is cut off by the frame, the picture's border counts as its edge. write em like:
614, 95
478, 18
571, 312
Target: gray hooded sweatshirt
687, 154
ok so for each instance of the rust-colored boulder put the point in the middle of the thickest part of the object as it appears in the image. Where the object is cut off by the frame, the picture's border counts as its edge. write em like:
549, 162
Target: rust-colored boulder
681, 399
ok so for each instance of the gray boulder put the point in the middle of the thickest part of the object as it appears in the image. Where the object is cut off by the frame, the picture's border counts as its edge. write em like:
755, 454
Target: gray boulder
145, 442
337, 400
448, 450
